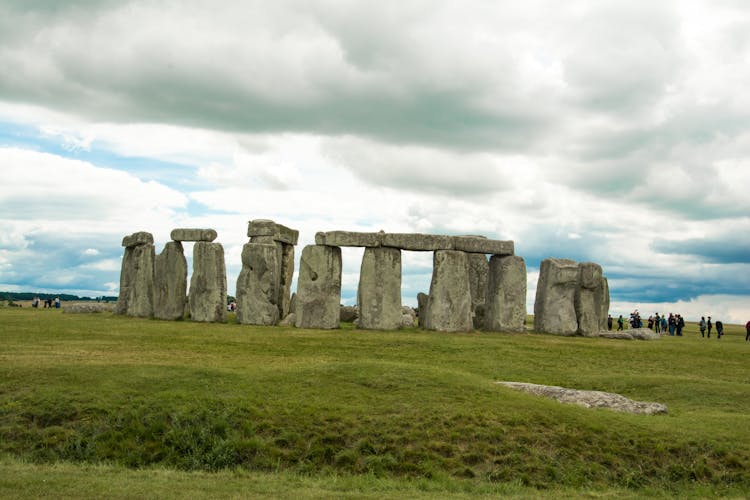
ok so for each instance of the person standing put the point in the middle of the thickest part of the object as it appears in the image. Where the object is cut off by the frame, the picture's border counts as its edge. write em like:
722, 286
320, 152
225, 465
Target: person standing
620, 322
747, 335
709, 325
57, 302
719, 329
702, 326
609, 322
672, 324
663, 323
680, 325
657, 323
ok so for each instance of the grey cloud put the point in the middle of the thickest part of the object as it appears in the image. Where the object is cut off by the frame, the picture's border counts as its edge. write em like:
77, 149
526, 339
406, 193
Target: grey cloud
728, 248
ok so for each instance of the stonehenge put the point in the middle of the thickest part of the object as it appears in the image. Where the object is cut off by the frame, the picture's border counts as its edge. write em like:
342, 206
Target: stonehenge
264, 285
155, 286
477, 283
571, 298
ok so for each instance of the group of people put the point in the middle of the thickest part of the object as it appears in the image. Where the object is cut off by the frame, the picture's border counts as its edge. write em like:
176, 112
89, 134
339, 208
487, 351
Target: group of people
674, 324
47, 303
703, 325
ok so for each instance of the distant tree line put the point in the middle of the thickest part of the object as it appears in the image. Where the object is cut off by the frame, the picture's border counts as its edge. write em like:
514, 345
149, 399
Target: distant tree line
18, 296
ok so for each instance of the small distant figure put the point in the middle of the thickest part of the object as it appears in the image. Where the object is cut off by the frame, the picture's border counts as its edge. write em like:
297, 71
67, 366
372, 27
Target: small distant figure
620, 322
657, 323
650, 322
35, 302
672, 324
57, 302
719, 329
747, 335
702, 326
680, 325
709, 325
609, 322
663, 323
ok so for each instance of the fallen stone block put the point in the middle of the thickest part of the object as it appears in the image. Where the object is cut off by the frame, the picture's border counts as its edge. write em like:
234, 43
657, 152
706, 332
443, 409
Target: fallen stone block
589, 399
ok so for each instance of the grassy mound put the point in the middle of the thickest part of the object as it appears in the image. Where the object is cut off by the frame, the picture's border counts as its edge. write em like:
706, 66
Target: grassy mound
409, 405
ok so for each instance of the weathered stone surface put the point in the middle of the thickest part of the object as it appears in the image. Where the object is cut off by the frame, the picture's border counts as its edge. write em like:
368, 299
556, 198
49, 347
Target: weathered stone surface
290, 319
286, 277
293, 303
588, 298
191, 234
349, 239
89, 307
137, 281
139, 238
422, 301
279, 232
643, 334
480, 244
170, 282
615, 335
417, 242
449, 303
589, 399
379, 292
479, 270
505, 309
604, 302
319, 287
348, 314
554, 309
407, 321
208, 285
258, 285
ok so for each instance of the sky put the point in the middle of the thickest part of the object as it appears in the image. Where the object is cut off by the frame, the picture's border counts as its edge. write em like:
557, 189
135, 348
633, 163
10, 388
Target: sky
616, 132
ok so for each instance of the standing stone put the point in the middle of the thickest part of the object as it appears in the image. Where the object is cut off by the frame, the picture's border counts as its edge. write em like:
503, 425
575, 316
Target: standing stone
379, 292
588, 298
258, 285
422, 300
449, 303
479, 270
505, 309
319, 287
137, 276
285, 284
554, 310
208, 285
170, 282
604, 301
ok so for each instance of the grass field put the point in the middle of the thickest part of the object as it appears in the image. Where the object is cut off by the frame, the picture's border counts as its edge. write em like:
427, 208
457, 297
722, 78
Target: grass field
98, 405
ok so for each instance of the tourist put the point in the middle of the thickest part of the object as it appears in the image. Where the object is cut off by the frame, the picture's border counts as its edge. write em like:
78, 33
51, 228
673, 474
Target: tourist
702, 326
650, 322
657, 323
680, 325
620, 322
664, 323
719, 329
709, 325
672, 324
57, 302
747, 335
35, 302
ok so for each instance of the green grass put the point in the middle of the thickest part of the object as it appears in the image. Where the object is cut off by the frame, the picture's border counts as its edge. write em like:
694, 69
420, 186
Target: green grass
157, 404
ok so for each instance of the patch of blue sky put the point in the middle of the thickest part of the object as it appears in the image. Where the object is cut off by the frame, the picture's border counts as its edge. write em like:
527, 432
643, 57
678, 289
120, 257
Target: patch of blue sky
179, 176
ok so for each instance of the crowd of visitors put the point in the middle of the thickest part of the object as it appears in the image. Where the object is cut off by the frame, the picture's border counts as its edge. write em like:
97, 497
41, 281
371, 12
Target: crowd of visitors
47, 303
674, 324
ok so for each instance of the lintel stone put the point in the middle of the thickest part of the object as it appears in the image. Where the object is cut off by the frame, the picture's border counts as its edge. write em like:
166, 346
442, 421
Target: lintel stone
479, 244
136, 239
279, 232
349, 239
417, 242
190, 234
